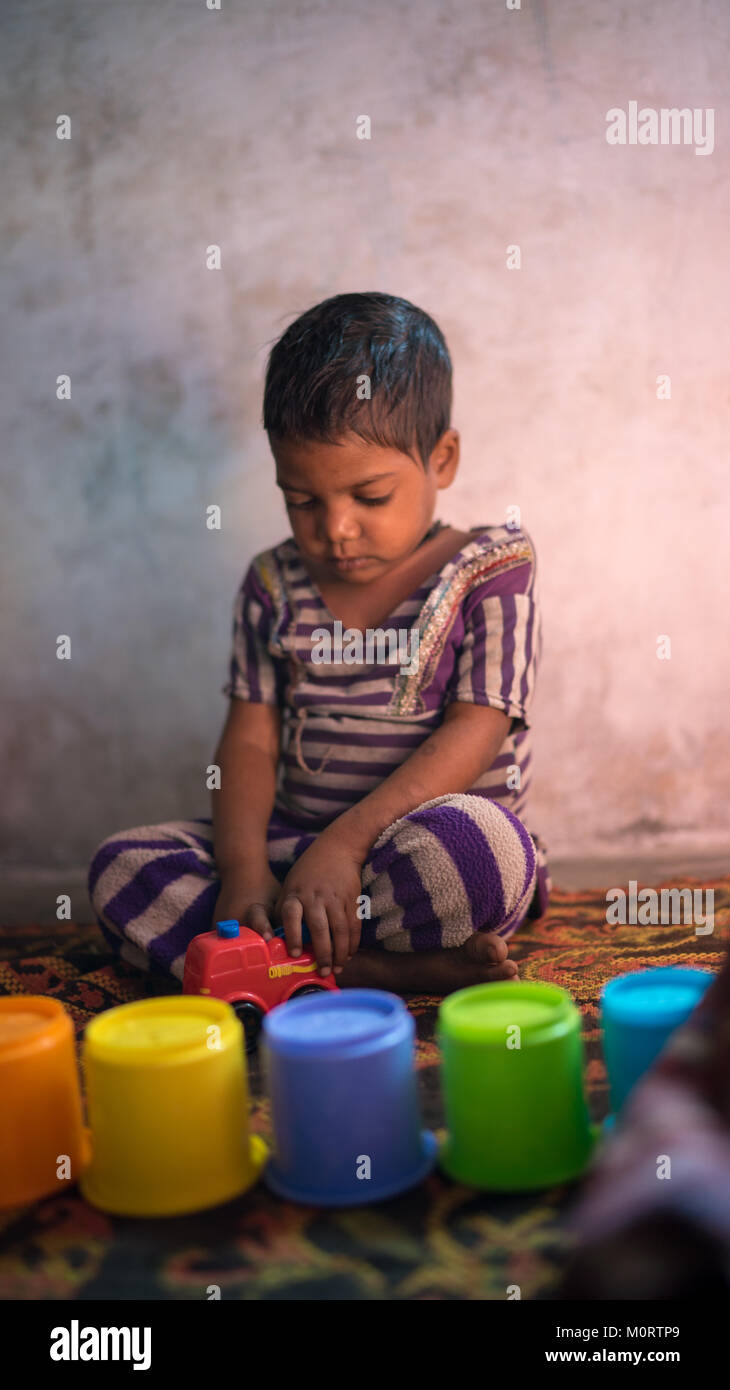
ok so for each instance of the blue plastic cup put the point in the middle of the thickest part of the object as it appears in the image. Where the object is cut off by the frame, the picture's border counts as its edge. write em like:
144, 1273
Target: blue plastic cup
344, 1104
639, 1012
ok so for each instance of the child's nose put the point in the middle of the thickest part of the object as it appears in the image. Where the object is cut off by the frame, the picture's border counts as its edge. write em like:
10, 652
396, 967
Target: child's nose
340, 524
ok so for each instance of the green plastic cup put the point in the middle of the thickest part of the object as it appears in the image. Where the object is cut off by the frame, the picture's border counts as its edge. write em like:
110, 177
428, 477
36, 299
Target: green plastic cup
512, 1071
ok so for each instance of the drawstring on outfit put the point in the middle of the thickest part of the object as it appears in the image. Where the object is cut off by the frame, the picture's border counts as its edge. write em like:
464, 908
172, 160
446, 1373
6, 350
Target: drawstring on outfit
301, 715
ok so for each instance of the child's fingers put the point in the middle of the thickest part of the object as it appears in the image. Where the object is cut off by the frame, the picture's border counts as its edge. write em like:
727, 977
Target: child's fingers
355, 928
320, 933
340, 932
257, 919
291, 913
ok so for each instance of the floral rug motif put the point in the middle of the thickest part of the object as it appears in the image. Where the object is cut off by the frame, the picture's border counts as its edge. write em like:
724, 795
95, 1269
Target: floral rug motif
439, 1241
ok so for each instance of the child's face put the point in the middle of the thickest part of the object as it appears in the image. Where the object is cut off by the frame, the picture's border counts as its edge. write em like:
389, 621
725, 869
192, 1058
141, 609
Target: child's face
357, 510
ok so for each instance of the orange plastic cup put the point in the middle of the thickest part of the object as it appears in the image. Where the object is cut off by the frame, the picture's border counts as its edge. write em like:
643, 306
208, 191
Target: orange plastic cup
44, 1146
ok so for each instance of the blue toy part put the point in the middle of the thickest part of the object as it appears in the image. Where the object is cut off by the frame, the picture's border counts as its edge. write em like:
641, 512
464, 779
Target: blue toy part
344, 1102
229, 927
639, 1013
306, 936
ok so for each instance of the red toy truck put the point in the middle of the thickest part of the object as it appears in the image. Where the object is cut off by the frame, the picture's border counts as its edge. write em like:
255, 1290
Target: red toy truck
235, 964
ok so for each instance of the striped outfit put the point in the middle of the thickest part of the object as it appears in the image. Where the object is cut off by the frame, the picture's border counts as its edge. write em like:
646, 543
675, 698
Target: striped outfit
464, 862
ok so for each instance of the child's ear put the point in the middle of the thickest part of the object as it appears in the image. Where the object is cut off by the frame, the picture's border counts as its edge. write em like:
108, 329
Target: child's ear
444, 460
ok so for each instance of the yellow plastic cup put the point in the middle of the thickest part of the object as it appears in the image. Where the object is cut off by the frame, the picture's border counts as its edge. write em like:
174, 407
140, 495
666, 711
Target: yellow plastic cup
43, 1144
168, 1107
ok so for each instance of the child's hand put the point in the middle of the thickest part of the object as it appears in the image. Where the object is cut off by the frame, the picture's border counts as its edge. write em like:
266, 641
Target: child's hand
249, 897
322, 887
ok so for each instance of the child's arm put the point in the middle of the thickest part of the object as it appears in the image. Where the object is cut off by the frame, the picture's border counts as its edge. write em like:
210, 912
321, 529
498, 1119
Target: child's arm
323, 886
451, 760
248, 755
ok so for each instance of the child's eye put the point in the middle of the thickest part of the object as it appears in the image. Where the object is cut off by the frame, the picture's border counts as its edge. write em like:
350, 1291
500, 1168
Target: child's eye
367, 502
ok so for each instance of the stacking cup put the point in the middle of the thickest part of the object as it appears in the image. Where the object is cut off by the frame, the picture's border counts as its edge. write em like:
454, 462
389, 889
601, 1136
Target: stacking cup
168, 1108
639, 1012
43, 1143
344, 1103
512, 1069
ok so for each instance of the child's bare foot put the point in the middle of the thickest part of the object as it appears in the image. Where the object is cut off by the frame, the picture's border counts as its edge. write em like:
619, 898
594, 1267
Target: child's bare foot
481, 960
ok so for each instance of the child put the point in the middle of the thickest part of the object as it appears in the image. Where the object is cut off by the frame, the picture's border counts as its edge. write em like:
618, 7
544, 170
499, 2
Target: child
374, 763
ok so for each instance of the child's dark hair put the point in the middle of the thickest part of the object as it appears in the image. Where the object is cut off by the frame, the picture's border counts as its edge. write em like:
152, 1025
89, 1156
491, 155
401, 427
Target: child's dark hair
311, 390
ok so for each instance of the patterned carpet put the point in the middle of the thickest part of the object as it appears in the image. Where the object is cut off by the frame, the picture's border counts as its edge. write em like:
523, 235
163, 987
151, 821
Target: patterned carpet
440, 1241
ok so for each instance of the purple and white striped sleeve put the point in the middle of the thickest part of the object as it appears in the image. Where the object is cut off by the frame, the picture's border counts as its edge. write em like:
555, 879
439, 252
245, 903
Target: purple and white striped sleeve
254, 673
499, 655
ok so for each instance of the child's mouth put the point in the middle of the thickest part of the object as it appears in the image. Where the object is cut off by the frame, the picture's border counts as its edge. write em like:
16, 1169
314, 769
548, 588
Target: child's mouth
352, 562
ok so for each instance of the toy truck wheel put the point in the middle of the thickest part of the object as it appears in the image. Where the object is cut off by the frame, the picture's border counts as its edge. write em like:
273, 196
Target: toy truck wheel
307, 989
250, 1017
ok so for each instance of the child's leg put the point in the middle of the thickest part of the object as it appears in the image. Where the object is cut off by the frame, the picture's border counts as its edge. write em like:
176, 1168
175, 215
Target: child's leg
449, 877
454, 866
153, 888
447, 884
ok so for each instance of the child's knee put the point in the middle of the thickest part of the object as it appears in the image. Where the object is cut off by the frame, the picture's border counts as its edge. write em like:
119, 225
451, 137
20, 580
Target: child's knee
106, 853
471, 861
121, 857
153, 888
